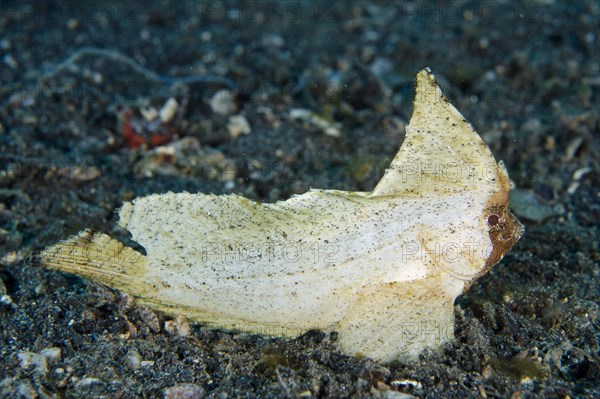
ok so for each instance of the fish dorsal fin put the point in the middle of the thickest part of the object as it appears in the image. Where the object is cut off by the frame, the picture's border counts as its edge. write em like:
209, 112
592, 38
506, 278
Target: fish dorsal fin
441, 152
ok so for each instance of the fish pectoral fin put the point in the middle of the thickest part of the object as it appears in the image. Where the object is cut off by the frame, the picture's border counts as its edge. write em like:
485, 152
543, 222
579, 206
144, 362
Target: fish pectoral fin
100, 258
398, 321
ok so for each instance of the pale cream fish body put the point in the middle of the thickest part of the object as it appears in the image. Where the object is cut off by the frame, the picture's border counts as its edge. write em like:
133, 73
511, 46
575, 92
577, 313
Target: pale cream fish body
381, 268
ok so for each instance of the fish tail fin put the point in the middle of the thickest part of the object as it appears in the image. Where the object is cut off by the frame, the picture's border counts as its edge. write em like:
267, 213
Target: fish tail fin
100, 258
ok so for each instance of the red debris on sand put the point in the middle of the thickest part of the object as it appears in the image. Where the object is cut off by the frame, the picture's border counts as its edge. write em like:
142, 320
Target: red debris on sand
139, 132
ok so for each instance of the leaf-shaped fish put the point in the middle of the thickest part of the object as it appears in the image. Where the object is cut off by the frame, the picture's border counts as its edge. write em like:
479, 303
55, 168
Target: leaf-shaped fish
382, 268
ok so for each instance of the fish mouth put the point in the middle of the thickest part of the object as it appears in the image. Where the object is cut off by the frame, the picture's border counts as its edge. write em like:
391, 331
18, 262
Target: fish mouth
504, 236
518, 226
513, 231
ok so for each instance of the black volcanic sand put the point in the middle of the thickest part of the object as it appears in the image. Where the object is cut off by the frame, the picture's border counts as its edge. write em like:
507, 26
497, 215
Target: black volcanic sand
525, 74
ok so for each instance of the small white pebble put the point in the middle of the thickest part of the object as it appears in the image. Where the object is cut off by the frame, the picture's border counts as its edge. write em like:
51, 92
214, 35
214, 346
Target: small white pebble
52, 355
185, 391
6, 300
168, 111
238, 125
149, 113
29, 359
178, 327
223, 102
579, 173
133, 359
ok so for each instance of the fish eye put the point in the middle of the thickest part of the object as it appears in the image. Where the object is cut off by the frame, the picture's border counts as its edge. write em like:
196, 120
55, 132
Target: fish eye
493, 220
